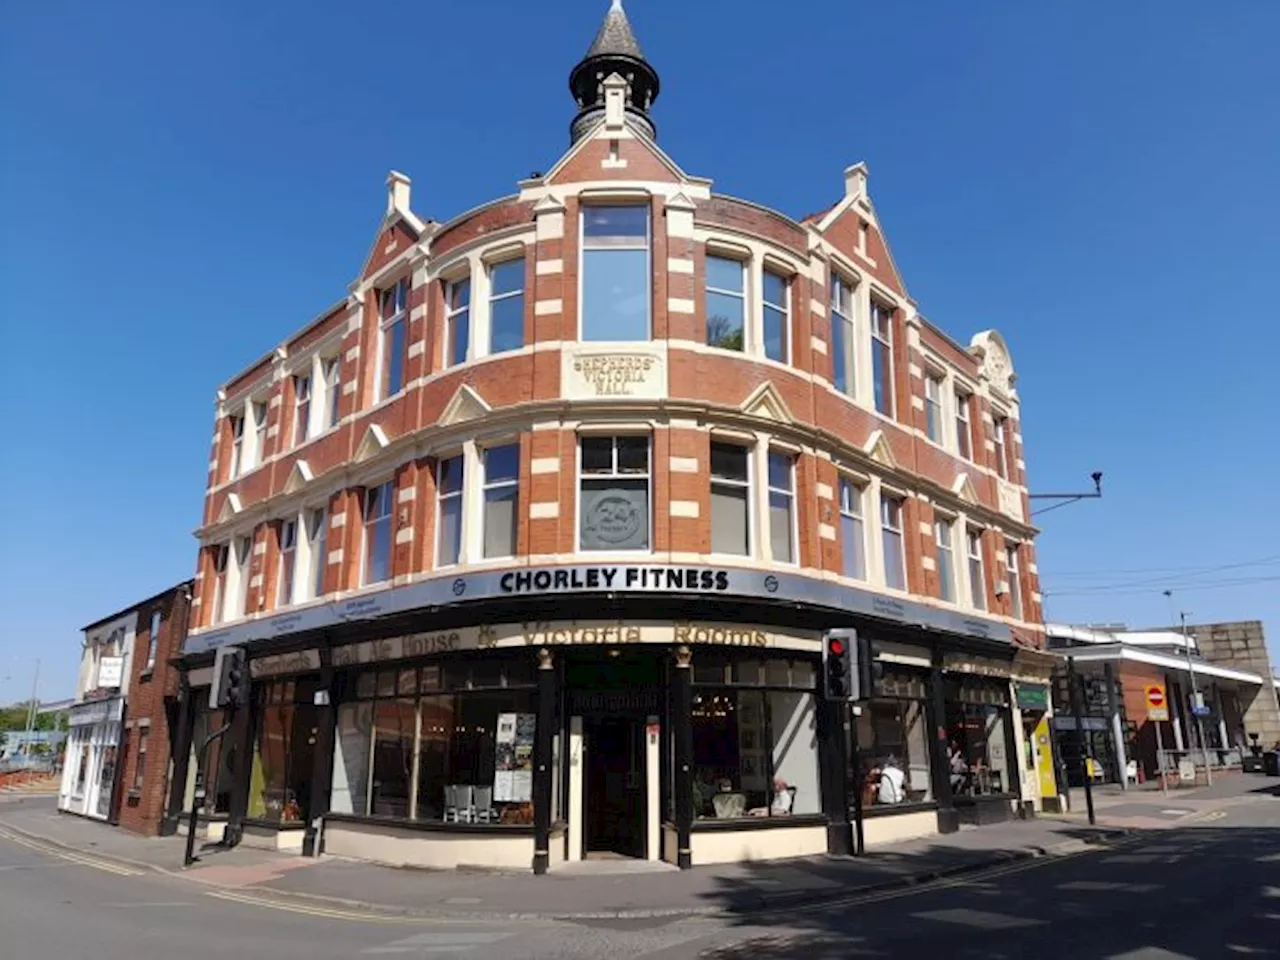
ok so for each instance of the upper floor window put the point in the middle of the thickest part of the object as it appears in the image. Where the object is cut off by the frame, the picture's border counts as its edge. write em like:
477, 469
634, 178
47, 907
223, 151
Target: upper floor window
301, 409
730, 499
331, 374
218, 606
895, 560
237, 444
393, 318
964, 427
726, 302
1000, 435
238, 592
379, 504
153, 641
317, 521
777, 317
842, 340
506, 306
259, 410
449, 478
288, 559
882, 357
1015, 585
457, 322
977, 576
853, 537
501, 499
933, 407
782, 506
615, 273
613, 493
942, 535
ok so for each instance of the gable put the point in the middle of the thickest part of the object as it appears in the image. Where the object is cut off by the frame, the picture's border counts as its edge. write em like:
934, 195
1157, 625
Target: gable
878, 449
299, 477
465, 405
374, 442
963, 488
842, 227
230, 507
393, 240
765, 402
638, 158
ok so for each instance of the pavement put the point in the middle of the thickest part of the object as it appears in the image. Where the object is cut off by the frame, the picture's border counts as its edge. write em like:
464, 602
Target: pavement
1205, 886
593, 890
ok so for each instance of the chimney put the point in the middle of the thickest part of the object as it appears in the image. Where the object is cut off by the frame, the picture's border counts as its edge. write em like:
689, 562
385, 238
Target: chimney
397, 192
855, 180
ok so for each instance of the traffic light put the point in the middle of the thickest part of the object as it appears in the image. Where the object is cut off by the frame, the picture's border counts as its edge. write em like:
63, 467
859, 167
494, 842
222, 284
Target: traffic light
847, 665
230, 689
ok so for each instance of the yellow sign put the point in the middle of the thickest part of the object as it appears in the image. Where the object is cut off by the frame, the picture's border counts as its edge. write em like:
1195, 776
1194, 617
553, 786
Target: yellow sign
1157, 702
1044, 759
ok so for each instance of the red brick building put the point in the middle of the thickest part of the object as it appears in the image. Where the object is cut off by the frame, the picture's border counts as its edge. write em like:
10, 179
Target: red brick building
617, 433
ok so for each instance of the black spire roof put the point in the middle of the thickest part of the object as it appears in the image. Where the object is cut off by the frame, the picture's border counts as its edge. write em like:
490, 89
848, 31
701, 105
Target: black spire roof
614, 50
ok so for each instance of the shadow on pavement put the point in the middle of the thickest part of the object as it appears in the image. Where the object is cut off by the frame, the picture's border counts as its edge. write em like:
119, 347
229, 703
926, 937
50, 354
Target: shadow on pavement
1189, 892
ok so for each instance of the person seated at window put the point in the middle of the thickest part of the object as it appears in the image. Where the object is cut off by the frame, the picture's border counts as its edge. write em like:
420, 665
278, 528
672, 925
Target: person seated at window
892, 787
783, 800
959, 769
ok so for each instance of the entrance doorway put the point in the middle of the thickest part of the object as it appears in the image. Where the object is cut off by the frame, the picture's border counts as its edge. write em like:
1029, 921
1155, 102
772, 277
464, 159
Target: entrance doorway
615, 785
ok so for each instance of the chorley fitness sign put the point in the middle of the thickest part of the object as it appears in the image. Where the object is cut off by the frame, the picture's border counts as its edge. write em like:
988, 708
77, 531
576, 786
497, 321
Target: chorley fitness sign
671, 580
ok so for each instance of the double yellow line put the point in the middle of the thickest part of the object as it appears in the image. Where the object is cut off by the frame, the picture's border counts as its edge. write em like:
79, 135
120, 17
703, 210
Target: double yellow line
71, 856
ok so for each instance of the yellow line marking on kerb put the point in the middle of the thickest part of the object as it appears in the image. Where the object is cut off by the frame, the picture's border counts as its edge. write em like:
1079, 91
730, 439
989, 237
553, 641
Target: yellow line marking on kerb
83, 860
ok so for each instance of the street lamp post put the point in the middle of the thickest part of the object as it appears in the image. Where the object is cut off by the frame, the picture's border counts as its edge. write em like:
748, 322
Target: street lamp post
1195, 700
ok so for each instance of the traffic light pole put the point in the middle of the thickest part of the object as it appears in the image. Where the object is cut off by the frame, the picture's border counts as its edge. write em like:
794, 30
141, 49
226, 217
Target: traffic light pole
198, 794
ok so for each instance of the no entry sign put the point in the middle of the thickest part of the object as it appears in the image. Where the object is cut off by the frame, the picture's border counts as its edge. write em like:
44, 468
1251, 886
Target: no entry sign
1157, 703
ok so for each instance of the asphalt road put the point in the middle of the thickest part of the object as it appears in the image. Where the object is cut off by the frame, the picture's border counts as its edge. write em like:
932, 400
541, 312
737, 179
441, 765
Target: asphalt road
1204, 891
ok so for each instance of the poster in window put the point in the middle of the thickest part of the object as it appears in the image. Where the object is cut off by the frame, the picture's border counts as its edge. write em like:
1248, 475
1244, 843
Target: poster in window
513, 760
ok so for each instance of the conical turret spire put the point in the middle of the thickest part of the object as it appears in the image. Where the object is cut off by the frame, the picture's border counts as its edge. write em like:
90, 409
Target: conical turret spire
614, 50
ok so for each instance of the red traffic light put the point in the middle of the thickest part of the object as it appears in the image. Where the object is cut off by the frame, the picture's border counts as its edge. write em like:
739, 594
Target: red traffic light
836, 646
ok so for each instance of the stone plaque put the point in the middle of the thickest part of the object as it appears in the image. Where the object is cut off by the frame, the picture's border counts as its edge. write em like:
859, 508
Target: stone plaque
625, 372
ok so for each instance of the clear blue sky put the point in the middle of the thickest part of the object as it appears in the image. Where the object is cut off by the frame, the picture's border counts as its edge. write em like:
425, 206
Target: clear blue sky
183, 185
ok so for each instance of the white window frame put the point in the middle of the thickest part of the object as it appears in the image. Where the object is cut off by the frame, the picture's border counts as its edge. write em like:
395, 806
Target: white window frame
317, 550
441, 497
963, 400
583, 246
765, 306
741, 294
382, 390
259, 431
935, 382
331, 378
885, 497
221, 561
286, 597
793, 495
973, 538
878, 307
239, 596
367, 523
946, 544
486, 486
1014, 584
237, 444
301, 418
847, 317
492, 298
153, 640
1000, 438
747, 485
451, 315
614, 475
858, 513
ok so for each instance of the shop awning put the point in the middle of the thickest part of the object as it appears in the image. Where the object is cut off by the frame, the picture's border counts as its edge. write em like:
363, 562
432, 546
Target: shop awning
1116, 652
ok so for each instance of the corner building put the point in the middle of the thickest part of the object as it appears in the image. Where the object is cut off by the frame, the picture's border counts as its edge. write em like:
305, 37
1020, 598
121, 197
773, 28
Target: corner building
533, 536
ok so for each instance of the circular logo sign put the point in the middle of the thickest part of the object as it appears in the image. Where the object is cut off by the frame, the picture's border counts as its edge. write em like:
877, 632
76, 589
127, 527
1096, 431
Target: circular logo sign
1155, 696
615, 519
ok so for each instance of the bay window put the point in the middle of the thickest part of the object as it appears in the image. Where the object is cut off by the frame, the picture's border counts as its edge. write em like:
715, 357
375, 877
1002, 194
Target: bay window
726, 302
501, 497
506, 306
613, 493
895, 563
782, 506
730, 499
449, 479
615, 272
777, 317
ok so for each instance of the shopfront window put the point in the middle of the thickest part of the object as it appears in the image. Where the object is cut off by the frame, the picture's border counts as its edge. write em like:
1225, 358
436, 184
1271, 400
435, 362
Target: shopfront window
892, 742
280, 779
755, 746
432, 743
978, 736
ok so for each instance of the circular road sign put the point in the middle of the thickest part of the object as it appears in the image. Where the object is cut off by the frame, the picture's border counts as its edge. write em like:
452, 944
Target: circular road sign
1155, 696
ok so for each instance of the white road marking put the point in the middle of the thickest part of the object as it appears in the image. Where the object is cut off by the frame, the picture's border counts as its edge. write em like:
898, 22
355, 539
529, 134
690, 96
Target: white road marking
438, 942
979, 919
